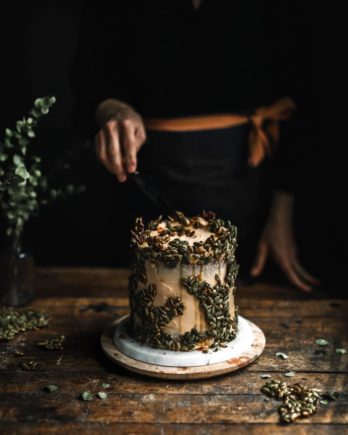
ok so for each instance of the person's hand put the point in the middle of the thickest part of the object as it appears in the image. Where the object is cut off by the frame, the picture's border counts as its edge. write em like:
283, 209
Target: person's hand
278, 240
120, 137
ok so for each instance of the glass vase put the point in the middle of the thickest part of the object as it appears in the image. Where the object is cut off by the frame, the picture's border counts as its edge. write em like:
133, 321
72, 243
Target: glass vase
16, 274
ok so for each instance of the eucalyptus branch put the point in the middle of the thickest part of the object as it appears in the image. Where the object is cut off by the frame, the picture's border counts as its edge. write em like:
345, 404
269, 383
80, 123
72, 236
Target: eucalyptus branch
23, 186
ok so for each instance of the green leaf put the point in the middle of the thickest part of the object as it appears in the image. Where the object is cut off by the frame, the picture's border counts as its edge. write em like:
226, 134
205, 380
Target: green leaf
38, 103
17, 160
30, 133
22, 172
321, 342
23, 142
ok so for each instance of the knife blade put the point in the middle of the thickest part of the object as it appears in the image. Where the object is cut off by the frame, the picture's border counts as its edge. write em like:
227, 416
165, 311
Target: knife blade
152, 194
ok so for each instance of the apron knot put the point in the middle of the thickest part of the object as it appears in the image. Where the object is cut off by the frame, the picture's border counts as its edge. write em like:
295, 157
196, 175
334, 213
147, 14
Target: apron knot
264, 133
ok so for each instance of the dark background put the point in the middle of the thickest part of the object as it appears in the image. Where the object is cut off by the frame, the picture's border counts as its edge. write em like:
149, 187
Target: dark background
37, 43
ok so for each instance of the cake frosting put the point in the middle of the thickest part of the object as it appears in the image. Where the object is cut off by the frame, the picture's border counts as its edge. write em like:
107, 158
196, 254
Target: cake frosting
182, 285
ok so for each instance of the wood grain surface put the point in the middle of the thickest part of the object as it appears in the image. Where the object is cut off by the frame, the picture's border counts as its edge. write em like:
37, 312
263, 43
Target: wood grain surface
82, 302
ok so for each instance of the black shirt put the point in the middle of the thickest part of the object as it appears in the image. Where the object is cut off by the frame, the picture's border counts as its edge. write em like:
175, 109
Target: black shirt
167, 59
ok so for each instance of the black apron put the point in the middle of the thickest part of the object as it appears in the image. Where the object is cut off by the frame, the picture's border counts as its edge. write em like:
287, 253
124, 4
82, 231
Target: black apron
208, 170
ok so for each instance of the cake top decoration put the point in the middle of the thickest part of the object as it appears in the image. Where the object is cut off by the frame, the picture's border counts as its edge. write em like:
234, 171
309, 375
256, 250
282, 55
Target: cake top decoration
179, 239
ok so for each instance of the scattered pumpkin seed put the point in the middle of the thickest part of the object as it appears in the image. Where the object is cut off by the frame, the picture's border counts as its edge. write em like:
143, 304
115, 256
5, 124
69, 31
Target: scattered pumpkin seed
290, 374
51, 388
55, 343
105, 385
265, 376
323, 402
341, 351
86, 395
321, 342
15, 320
298, 400
282, 355
332, 395
30, 365
102, 395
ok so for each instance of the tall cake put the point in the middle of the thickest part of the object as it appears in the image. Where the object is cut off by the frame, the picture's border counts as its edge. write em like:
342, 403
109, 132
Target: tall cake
182, 285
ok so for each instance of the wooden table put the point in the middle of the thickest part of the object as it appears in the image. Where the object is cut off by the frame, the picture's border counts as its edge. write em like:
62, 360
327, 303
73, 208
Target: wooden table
138, 405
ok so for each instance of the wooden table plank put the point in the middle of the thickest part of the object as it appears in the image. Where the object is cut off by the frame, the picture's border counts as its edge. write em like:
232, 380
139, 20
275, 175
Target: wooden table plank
232, 403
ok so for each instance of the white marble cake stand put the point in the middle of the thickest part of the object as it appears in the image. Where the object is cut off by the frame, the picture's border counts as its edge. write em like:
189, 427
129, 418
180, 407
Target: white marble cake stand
121, 348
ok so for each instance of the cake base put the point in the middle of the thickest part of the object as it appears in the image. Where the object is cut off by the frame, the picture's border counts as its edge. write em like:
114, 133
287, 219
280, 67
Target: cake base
244, 349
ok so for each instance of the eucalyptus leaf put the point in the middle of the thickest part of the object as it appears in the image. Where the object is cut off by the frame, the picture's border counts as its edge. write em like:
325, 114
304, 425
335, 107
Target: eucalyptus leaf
17, 160
22, 172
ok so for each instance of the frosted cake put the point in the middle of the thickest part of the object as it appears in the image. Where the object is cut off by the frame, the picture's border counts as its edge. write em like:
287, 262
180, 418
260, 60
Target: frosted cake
182, 285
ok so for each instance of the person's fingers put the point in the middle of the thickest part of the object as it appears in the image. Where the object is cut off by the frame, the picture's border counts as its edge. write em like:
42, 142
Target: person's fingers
260, 261
129, 145
293, 277
303, 272
100, 148
113, 150
140, 135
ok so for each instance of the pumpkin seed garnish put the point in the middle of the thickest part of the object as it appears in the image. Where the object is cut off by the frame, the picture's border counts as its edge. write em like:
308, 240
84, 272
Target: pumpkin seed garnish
341, 351
87, 396
321, 342
298, 400
102, 395
282, 355
290, 374
15, 320
105, 385
30, 365
265, 376
55, 343
323, 402
51, 388
332, 395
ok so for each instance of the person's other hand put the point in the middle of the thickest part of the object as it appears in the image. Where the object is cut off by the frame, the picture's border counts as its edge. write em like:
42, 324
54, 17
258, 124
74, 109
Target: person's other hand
120, 137
278, 240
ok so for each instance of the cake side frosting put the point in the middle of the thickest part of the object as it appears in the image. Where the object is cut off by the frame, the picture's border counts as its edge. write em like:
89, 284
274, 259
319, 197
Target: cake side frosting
182, 285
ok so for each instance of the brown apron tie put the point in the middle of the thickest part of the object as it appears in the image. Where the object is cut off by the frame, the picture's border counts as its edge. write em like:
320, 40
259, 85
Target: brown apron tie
261, 137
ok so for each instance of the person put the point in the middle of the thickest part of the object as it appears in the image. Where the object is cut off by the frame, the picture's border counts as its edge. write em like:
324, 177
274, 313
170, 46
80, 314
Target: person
207, 100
